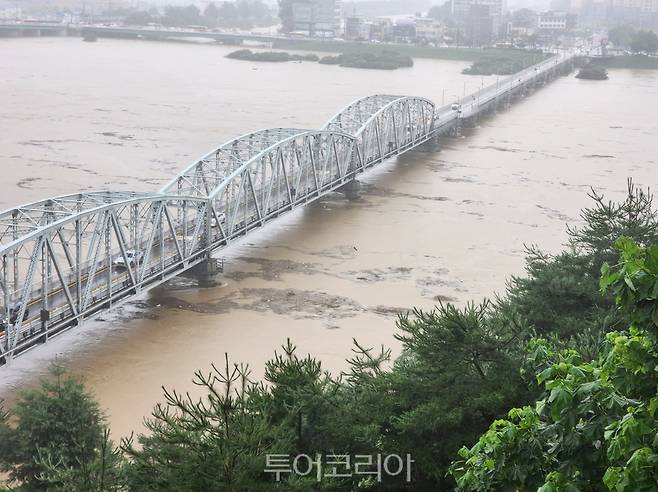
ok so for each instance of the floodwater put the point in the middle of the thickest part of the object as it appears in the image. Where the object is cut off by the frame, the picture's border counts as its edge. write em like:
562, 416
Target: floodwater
434, 224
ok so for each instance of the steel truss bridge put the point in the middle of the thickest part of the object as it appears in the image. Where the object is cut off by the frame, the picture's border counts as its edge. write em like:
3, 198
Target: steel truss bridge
65, 259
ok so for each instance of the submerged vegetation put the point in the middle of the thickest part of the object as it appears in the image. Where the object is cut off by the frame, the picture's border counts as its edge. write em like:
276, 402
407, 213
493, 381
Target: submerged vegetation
503, 64
382, 60
592, 72
414, 51
550, 387
270, 56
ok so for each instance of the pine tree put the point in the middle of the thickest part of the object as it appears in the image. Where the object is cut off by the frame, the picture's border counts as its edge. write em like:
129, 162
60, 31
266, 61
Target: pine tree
57, 422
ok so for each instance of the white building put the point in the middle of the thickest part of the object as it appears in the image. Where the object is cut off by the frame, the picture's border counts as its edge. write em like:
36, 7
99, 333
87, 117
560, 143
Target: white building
553, 21
428, 29
317, 17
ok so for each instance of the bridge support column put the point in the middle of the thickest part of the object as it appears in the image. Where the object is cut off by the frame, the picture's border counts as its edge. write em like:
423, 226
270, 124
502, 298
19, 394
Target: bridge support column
456, 129
205, 273
6, 359
350, 189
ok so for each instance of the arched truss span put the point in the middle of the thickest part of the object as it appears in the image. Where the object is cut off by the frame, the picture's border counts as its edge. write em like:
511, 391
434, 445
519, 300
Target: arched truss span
352, 117
20, 221
94, 250
294, 170
208, 172
65, 258
385, 125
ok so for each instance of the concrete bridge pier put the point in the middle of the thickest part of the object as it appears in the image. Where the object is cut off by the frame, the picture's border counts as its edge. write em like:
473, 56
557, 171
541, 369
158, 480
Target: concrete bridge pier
456, 129
205, 273
350, 189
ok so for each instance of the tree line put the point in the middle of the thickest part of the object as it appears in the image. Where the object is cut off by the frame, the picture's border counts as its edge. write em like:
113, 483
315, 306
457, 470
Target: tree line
638, 41
243, 14
552, 386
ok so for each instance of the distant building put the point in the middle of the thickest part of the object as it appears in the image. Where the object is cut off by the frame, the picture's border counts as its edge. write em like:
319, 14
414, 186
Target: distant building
479, 25
381, 29
551, 21
404, 31
461, 8
648, 6
639, 13
354, 27
595, 13
555, 21
319, 18
428, 29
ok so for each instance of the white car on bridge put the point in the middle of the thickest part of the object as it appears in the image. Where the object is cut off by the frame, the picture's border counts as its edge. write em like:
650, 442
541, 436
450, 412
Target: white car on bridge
133, 258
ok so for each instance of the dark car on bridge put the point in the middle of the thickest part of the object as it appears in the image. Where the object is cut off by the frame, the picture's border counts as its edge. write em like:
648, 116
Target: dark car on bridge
14, 311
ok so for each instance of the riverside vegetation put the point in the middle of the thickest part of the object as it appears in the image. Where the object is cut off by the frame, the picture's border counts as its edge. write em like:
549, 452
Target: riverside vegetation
592, 72
382, 60
504, 64
270, 56
551, 387
485, 61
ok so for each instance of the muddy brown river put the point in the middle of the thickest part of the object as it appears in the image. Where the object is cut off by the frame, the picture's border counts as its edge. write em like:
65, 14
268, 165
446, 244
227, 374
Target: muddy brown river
446, 223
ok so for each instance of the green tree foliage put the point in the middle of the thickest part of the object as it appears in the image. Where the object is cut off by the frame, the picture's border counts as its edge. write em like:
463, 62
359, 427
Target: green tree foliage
595, 425
637, 41
211, 15
138, 18
621, 35
211, 444
592, 72
379, 60
441, 13
174, 16
644, 42
53, 432
459, 370
242, 14
524, 18
104, 472
559, 295
5, 433
270, 56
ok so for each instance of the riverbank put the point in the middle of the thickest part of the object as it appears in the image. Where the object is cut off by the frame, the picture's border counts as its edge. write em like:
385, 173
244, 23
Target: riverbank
630, 61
